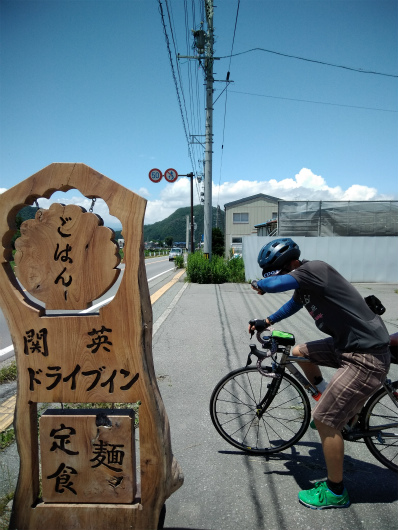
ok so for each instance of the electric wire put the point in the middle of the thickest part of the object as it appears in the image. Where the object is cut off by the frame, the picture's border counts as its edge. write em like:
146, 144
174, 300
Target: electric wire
191, 121
193, 88
174, 76
171, 22
225, 106
193, 82
360, 70
192, 118
314, 102
177, 79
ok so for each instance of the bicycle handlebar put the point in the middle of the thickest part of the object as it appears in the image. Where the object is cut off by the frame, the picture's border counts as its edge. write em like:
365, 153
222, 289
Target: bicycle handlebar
260, 327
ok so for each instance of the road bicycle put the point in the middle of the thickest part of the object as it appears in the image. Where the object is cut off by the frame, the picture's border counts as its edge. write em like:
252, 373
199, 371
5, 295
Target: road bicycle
264, 409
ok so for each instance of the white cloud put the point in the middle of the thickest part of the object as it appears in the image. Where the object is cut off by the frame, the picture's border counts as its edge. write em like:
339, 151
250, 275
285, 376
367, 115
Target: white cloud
359, 193
143, 192
304, 186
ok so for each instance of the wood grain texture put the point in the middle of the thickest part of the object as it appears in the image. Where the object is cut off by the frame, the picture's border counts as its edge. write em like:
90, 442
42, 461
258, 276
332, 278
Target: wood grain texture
66, 367
88, 456
65, 258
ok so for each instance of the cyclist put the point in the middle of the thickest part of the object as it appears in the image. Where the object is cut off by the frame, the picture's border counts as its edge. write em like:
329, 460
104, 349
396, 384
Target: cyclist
357, 346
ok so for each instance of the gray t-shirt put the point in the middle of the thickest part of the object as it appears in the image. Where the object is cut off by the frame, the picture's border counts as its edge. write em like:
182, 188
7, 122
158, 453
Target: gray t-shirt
338, 309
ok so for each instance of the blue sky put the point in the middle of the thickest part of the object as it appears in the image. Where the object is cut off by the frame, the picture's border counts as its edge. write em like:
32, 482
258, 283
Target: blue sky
91, 81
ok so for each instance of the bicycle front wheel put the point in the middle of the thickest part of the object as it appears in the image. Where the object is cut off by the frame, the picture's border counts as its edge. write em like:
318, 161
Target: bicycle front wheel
235, 404
382, 413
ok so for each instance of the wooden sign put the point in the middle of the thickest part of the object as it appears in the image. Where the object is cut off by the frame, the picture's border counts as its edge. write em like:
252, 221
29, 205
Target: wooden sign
88, 456
66, 259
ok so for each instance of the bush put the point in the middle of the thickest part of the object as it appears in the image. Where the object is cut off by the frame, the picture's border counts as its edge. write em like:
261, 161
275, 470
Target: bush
217, 242
198, 268
179, 261
236, 268
202, 270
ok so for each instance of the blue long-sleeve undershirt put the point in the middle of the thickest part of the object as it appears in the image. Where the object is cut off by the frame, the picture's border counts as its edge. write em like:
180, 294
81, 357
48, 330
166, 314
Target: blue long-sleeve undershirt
287, 310
279, 284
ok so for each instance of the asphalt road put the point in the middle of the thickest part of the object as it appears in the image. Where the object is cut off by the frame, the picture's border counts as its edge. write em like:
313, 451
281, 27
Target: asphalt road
204, 338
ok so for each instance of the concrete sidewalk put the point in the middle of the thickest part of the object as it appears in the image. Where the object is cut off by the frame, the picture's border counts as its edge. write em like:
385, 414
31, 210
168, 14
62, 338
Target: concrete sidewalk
203, 338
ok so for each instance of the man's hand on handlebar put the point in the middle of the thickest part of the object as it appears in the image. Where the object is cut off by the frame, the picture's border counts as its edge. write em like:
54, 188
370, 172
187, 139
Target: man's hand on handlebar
257, 325
256, 287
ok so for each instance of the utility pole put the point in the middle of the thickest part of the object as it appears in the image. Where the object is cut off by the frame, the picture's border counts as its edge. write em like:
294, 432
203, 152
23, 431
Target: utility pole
204, 43
208, 207
190, 175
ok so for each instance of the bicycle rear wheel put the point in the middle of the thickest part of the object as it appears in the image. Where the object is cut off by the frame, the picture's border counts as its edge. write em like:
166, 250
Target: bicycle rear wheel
236, 399
381, 411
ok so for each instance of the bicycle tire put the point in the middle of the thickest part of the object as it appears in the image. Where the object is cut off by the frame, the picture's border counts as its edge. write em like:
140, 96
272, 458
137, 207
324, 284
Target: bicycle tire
380, 410
233, 406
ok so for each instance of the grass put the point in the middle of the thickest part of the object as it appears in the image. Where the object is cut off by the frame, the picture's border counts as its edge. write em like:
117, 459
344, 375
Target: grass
8, 373
179, 262
4, 518
216, 270
6, 438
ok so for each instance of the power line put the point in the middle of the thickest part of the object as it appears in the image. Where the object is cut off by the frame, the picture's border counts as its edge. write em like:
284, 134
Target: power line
315, 102
184, 120
360, 70
174, 75
226, 100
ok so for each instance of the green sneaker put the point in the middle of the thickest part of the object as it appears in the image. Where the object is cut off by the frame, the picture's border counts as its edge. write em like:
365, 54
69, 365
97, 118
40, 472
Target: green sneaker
321, 497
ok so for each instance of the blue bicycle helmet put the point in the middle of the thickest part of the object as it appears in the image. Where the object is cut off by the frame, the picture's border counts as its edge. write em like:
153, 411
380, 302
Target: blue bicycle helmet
275, 254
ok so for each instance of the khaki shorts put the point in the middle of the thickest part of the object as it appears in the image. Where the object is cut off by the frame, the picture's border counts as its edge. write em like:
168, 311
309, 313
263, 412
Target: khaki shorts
357, 377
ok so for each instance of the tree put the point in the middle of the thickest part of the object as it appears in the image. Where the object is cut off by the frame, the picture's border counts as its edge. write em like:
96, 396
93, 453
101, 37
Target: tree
169, 241
217, 238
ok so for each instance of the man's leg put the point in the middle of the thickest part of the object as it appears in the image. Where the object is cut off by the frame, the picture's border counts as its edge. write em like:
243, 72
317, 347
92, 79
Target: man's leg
330, 493
311, 371
332, 440
333, 450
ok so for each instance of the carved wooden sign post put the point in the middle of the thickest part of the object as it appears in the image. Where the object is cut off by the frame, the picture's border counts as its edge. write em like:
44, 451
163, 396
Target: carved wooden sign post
66, 259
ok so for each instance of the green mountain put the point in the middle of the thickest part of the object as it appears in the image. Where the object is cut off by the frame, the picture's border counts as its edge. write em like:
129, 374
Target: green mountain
27, 212
175, 225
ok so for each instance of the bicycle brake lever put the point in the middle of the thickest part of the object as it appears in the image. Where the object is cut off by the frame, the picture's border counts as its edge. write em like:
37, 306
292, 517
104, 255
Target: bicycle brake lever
249, 359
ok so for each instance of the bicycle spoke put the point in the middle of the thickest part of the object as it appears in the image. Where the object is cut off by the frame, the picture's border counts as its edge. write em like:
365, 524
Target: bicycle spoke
238, 415
383, 444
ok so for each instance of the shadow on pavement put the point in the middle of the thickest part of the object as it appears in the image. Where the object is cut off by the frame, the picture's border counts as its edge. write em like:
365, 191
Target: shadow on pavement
366, 483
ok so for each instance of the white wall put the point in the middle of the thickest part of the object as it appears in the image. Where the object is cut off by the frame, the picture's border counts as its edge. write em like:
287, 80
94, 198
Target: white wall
358, 259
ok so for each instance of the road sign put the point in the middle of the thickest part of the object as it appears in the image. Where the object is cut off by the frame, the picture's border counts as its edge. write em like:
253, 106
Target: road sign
155, 175
171, 175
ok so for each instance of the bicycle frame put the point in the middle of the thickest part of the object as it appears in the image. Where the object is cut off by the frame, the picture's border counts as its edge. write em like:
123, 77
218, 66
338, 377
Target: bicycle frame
277, 373
351, 433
